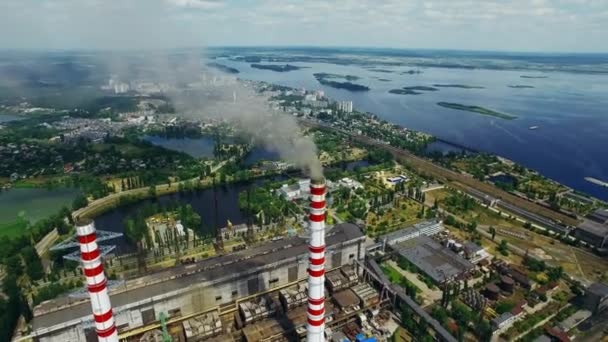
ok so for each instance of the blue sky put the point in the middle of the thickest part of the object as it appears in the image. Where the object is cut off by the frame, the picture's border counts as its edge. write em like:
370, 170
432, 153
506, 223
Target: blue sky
515, 25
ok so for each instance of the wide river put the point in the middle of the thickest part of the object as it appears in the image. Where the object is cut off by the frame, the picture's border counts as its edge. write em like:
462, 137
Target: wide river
570, 110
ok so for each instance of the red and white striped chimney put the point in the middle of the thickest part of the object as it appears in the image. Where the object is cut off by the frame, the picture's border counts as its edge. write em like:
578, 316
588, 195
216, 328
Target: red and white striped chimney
315, 329
96, 282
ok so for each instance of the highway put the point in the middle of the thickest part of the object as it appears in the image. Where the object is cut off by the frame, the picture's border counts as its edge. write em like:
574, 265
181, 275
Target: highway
424, 166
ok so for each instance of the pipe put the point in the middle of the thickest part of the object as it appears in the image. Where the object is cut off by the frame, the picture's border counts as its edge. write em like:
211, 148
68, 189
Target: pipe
315, 328
96, 282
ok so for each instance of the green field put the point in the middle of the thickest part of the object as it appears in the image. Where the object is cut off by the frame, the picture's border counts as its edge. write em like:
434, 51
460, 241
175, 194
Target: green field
13, 228
23, 205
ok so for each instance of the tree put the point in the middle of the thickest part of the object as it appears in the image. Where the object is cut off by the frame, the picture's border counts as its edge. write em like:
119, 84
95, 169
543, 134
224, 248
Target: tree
503, 247
152, 191
79, 202
492, 231
555, 273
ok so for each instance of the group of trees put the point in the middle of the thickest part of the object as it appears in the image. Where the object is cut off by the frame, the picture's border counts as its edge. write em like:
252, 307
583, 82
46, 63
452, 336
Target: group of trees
534, 265
265, 206
459, 203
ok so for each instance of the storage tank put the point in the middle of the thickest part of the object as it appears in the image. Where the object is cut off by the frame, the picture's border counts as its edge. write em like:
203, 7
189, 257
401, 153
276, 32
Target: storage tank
506, 284
492, 291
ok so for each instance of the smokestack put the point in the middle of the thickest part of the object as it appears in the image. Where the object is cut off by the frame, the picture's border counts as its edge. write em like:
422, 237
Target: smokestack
315, 329
96, 282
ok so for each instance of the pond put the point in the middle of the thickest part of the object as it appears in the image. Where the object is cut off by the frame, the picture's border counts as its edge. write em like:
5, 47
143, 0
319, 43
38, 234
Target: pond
202, 202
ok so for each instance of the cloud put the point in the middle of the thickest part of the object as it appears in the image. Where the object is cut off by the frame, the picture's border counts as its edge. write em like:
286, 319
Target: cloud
198, 4
467, 24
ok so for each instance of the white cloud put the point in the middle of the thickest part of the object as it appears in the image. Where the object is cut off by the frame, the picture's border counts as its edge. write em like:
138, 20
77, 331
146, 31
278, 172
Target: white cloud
476, 24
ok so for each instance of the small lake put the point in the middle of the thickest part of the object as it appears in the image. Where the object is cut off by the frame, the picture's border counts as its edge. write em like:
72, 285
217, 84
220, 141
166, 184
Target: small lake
35, 204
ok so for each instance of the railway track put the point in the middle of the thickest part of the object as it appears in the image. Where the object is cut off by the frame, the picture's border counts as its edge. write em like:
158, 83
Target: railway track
426, 167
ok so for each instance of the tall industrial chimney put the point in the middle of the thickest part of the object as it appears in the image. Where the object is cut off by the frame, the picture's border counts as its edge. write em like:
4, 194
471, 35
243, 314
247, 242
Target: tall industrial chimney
315, 329
96, 282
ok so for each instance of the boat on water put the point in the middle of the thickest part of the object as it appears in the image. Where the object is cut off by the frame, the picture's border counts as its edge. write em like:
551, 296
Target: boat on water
596, 181
533, 127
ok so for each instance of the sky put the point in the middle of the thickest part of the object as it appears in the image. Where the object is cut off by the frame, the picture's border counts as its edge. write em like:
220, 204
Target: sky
506, 25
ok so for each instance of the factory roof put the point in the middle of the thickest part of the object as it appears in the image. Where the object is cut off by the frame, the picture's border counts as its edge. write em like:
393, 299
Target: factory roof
472, 248
346, 298
600, 216
430, 257
594, 228
179, 279
415, 228
598, 289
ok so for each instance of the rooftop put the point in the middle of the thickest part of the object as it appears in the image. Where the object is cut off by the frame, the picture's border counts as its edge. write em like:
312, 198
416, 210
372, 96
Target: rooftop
436, 261
598, 289
599, 215
594, 228
410, 230
180, 278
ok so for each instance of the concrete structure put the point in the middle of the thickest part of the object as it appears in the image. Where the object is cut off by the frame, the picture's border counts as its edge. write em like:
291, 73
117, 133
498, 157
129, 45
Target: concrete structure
433, 259
315, 330
293, 296
189, 289
427, 228
96, 282
593, 233
203, 327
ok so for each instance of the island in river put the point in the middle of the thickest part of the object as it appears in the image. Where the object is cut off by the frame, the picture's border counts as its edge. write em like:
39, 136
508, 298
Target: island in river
330, 81
462, 86
520, 86
415, 90
223, 68
476, 109
276, 67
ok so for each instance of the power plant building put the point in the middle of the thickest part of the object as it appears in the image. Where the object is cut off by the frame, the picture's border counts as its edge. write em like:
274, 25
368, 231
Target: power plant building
189, 289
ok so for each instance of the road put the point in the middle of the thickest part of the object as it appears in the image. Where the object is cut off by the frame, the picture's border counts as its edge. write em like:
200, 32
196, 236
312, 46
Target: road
424, 166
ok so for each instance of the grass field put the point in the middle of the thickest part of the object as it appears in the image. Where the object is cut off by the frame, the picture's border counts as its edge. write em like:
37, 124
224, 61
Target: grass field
13, 228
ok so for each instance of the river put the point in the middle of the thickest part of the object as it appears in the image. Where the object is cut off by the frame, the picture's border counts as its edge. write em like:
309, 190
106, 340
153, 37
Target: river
568, 108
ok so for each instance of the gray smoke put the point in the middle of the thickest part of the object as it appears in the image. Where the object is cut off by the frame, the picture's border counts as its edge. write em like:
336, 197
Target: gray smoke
250, 112
198, 92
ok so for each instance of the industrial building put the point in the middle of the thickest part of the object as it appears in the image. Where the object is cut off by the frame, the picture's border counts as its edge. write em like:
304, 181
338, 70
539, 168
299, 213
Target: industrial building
186, 290
433, 259
593, 233
596, 297
426, 228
